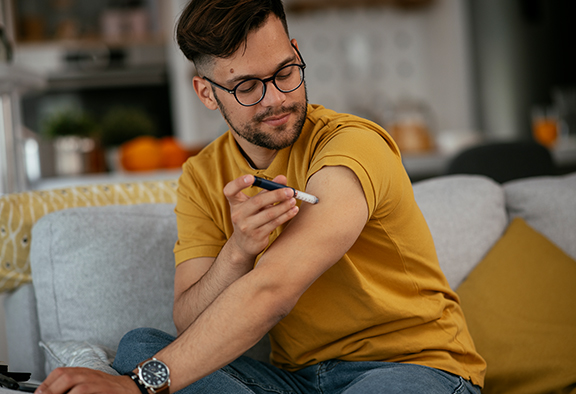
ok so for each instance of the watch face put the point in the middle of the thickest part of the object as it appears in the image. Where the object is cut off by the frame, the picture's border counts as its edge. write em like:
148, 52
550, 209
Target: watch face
154, 373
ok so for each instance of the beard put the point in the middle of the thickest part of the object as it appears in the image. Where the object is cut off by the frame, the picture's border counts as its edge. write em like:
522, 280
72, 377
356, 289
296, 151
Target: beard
280, 137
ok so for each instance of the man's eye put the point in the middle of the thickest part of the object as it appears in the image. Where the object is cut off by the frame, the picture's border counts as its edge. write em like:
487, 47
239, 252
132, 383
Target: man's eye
286, 73
247, 87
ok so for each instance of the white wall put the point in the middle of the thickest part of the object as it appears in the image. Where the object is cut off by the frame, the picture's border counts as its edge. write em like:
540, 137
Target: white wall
501, 72
449, 72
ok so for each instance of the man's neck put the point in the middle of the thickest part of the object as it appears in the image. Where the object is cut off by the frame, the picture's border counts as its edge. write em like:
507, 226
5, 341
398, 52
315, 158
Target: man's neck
257, 157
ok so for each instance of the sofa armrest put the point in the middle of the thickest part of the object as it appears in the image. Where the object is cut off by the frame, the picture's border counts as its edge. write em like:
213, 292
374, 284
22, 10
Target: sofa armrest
23, 332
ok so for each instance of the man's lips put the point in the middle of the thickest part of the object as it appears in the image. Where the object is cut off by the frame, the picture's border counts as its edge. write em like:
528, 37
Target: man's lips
277, 120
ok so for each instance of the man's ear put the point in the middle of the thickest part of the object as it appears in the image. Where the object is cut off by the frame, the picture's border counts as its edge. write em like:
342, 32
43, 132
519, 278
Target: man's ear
204, 91
295, 43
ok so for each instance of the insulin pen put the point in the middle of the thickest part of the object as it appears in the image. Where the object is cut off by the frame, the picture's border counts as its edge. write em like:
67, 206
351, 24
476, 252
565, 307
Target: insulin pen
269, 185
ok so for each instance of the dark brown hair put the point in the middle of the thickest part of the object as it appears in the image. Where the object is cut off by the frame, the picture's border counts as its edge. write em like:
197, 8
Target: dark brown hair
217, 28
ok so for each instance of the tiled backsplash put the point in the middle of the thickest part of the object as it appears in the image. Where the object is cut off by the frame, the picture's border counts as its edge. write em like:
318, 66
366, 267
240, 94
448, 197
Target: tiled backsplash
361, 61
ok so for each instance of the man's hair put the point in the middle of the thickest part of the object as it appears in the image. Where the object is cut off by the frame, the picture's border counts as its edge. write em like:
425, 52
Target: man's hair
209, 29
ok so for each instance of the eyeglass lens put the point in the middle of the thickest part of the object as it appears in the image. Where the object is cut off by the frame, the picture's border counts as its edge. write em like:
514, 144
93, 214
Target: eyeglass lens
286, 79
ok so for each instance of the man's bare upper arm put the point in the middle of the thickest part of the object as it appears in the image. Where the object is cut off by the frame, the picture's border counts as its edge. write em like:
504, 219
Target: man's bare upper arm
320, 234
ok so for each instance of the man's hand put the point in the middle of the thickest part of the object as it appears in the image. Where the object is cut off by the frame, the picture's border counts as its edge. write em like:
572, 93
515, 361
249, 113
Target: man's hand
254, 218
86, 381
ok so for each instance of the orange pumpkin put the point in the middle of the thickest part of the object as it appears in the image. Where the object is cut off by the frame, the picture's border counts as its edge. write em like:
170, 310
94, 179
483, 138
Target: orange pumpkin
141, 154
172, 154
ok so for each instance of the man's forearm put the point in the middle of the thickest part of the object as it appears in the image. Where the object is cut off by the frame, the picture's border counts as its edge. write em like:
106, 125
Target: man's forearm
234, 322
225, 270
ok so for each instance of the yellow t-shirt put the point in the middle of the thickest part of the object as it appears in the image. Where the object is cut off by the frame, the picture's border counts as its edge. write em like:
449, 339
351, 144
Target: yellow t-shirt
386, 299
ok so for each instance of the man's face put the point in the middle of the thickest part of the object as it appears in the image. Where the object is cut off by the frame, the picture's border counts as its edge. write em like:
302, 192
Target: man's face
276, 121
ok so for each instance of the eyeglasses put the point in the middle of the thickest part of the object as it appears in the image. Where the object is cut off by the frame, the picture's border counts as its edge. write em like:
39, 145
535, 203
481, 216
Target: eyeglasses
251, 91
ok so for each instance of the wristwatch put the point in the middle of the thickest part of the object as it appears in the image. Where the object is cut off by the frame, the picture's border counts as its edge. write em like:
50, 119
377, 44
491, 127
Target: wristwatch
153, 375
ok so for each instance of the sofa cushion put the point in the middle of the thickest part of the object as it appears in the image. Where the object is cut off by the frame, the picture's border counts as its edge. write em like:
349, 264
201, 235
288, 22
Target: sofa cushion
466, 216
519, 305
99, 272
548, 204
20, 211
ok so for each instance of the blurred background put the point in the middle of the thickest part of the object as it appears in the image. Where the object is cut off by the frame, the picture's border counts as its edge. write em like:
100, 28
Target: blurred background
99, 87
97, 91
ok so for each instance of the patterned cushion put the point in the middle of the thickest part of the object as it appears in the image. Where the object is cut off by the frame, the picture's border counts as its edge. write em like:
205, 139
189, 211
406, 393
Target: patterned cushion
19, 212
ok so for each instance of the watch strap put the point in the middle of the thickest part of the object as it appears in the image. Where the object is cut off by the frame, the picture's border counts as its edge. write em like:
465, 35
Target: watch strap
138, 382
163, 390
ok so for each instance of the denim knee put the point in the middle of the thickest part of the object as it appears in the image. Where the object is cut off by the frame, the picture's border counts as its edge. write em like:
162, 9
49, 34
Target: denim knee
138, 345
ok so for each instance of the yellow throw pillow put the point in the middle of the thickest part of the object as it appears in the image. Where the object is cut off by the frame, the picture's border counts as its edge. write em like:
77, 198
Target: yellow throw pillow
520, 305
19, 212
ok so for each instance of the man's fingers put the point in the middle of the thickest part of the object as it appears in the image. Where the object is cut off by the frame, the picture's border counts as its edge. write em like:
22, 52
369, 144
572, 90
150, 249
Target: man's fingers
59, 381
254, 218
83, 380
233, 189
233, 192
270, 218
281, 179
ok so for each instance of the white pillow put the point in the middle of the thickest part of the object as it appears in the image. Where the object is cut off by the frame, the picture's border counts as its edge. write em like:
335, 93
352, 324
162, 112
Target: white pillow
78, 354
548, 204
466, 216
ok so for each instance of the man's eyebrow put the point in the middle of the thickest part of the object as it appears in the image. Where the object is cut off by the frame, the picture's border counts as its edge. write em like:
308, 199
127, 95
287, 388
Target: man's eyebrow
239, 78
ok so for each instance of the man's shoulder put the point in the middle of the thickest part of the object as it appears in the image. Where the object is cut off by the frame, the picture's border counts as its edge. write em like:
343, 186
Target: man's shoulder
326, 124
318, 114
325, 118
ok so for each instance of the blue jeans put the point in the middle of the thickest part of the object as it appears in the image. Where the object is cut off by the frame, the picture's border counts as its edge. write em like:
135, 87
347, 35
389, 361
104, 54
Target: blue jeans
331, 377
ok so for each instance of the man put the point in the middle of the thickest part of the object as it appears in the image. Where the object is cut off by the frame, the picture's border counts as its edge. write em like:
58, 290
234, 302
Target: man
350, 288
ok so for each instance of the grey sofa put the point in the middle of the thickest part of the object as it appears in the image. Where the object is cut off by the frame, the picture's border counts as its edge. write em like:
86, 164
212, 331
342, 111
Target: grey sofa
99, 272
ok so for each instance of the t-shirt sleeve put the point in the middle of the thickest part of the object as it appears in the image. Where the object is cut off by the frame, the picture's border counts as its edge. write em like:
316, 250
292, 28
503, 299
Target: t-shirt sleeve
369, 155
198, 233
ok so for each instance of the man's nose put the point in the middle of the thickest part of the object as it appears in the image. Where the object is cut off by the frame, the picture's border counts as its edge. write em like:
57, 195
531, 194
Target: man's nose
272, 96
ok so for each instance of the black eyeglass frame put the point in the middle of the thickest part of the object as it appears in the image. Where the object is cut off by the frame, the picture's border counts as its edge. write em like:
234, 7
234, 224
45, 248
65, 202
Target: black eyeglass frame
264, 81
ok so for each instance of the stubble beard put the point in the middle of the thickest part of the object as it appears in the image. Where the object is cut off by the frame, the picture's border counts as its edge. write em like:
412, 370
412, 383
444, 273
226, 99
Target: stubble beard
280, 137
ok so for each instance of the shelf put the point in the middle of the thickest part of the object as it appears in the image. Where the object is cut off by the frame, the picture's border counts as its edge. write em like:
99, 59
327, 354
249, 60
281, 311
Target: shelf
74, 65
88, 22
298, 6
17, 78
108, 78
94, 42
